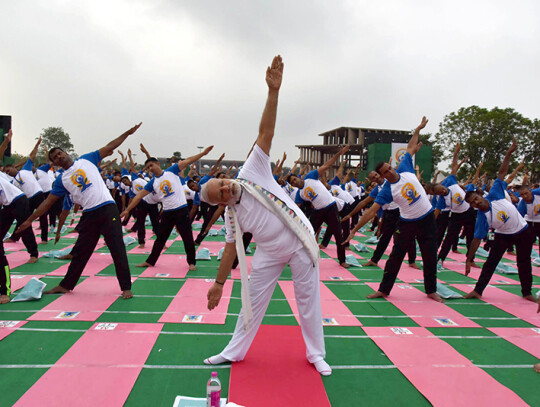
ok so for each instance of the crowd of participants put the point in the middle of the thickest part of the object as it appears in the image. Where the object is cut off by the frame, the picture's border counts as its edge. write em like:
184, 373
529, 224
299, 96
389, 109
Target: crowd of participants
396, 200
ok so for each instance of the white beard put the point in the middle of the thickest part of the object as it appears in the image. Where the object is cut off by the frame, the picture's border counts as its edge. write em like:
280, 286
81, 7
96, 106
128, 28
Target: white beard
236, 193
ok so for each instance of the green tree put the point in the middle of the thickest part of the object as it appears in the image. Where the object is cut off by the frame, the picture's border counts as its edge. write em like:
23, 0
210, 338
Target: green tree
55, 137
532, 151
428, 139
485, 135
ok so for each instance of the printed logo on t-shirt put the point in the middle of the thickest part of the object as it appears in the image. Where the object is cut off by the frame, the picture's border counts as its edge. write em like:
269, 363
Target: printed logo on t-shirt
409, 193
19, 179
335, 193
80, 180
536, 209
138, 188
457, 199
166, 188
289, 188
310, 193
502, 216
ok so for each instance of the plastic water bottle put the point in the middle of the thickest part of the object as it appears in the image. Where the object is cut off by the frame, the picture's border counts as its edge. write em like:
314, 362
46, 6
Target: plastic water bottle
51, 256
213, 391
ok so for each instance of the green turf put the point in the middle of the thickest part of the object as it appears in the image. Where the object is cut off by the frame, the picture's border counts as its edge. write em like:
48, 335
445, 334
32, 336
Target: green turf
16, 381
43, 266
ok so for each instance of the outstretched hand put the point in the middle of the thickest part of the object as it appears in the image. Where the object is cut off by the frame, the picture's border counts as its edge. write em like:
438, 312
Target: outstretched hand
133, 129
513, 147
423, 123
468, 265
208, 149
274, 73
349, 238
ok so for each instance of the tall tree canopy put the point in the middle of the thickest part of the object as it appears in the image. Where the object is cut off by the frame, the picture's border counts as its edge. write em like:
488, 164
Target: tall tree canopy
485, 135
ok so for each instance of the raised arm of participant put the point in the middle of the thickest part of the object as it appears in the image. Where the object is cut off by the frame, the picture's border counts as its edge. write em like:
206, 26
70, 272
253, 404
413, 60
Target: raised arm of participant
503, 170
274, 75
131, 161
525, 177
228, 173
33, 153
276, 168
414, 145
366, 217
515, 172
114, 144
40, 211
5, 143
190, 160
279, 167
326, 166
356, 171
339, 172
106, 165
418, 175
124, 164
477, 174
145, 151
192, 171
134, 202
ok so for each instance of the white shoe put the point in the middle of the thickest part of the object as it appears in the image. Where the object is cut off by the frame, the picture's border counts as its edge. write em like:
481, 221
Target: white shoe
323, 368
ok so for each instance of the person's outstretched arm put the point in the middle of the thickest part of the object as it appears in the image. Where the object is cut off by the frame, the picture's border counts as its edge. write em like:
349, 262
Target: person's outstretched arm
414, 145
33, 153
476, 176
366, 217
503, 170
326, 166
40, 211
145, 151
274, 75
190, 160
455, 163
5, 143
515, 172
114, 144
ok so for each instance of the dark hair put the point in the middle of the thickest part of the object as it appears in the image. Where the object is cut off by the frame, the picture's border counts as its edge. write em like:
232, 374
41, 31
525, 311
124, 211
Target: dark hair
523, 187
151, 160
379, 166
469, 195
289, 177
117, 173
53, 150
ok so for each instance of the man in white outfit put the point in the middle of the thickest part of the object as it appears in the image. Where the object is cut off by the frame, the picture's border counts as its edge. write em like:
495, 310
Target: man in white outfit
277, 243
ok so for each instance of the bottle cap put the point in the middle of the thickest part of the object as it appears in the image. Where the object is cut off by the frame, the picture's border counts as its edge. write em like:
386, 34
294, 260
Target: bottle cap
214, 374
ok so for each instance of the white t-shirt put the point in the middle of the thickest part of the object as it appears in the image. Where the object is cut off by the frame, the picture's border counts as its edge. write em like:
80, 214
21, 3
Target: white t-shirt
26, 181
352, 188
45, 177
190, 194
338, 192
271, 235
8, 193
168, 189
407, 192
84, 183
315, 192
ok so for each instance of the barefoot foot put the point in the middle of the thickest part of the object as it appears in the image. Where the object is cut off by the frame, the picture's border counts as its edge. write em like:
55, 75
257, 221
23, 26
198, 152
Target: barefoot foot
127, 294
435, 297
141, 246
345, 265
370, 264
4, 299
376, 294
66, 257
414, 266
531, 298
145, 264
192, 267
537, 368
473, 264
473, 294
32, 260
57, 290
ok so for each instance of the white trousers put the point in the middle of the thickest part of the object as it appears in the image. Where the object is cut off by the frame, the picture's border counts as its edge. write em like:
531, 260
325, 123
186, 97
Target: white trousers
265, 273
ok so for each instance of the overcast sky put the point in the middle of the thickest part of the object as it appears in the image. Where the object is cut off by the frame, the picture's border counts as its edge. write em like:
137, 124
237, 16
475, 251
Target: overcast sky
193, 71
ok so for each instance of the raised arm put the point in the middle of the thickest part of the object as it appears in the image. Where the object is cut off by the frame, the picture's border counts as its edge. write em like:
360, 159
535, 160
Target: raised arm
414, 145
106, 165
131, 161
503, 170
477, 174
145, 151
190, 160
326, 166
5, 143
113, 145
33, 153
124, 164
356, 171
294, 166
515, 172
276, 168
134, 202
274, 74
339, 172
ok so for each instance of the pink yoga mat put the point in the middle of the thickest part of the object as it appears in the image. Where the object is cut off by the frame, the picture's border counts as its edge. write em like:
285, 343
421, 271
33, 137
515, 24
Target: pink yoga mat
424, 311
330, 270
387, 251
214, 247
100, 369
475, 273
334, 312
275, 372
331, 250
438, 371
235, 273
97, 262
191, 305
17, 258
19, 281
14, 247
174, 267
511, 303
8, 327
527, 339
86, 303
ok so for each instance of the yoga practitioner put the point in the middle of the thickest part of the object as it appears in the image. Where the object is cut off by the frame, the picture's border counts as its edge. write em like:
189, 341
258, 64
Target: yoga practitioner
416, 219
257, 204
82, 180
495, 211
